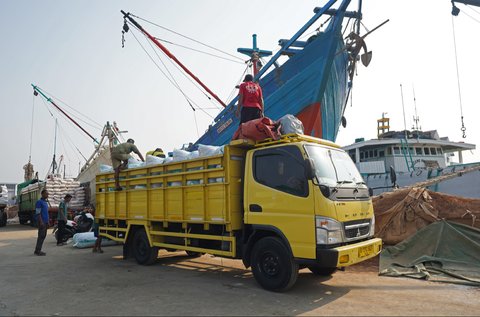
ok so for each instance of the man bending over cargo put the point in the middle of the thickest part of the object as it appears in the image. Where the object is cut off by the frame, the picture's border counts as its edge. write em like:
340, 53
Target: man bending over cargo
120, 155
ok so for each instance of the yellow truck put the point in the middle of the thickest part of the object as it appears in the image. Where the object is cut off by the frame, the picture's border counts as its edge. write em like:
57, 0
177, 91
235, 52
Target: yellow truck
278, 205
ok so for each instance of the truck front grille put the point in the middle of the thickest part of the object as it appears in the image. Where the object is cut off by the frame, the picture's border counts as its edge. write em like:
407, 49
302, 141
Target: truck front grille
356, 229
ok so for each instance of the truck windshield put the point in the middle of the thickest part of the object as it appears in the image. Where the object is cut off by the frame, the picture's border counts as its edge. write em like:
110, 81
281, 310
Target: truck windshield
333, 167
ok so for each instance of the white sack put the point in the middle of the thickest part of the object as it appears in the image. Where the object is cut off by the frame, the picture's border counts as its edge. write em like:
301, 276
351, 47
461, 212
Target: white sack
290, 124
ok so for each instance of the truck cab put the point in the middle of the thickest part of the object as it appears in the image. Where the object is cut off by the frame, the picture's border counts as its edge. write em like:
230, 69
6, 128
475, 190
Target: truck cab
310, 196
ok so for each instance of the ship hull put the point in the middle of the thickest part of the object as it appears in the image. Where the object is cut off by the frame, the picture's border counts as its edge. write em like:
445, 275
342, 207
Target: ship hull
312, 85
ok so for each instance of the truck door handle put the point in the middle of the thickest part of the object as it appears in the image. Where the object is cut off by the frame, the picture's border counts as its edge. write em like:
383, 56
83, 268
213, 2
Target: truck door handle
255, 208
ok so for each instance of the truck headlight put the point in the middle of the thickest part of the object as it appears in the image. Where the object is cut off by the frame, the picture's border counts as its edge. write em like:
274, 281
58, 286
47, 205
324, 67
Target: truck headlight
329, 231
372, 227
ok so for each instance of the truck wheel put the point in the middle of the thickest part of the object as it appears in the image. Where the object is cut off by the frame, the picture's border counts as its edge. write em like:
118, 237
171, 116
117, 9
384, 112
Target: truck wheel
142, 251
322, 271
273, 265
3, 218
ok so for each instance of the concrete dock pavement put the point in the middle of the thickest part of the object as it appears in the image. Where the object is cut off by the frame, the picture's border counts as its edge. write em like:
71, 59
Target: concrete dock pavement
70, 281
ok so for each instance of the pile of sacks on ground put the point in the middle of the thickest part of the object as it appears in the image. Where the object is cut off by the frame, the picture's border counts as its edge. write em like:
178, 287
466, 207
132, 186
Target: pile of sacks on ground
57, 189
3, 195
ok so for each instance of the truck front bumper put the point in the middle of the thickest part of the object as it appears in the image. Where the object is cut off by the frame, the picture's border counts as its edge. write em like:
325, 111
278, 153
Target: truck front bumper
347, 255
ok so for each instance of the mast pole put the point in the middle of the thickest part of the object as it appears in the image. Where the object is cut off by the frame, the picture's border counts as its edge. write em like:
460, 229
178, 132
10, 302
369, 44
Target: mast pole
54, 163
63, 112
167, 52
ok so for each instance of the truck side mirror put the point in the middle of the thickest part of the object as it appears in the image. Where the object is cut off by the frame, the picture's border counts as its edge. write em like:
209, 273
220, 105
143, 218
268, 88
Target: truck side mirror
309, 168
393, 176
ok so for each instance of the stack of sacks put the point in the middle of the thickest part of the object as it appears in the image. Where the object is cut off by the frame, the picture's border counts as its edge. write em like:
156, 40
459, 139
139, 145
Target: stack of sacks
134, 163
58, 188
178, 156
153, 160
182, 155
209, 150
4, 195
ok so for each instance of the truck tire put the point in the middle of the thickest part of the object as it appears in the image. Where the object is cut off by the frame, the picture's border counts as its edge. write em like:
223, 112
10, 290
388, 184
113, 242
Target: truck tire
322, 271
142, 251
3, 218
273, 266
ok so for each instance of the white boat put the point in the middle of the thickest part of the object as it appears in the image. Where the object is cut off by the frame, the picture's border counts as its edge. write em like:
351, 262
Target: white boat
415, 156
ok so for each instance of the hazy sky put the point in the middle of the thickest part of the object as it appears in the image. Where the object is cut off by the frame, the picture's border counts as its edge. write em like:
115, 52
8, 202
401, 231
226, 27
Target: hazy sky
72, 49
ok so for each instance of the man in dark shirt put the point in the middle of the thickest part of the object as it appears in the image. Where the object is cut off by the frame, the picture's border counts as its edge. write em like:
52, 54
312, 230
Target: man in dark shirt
120, 155
41, 212
62, 218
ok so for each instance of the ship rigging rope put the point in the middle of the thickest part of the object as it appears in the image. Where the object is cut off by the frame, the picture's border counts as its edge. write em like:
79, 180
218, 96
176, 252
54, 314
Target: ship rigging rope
196, 123
234, 90
181, 72
169, 79
189, 38
471, 8
94, 124
61, 128
468, 15
199, 51
463, 129
31, 130
70, 142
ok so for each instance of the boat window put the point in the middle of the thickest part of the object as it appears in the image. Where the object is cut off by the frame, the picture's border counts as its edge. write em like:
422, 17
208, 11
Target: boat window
433, 151
439, 151
366, 154
419, 151
362, 156
371, 153
353, 157
411, 150
389, 150
282, 168
426, 150
381, 153
375, 153
333, 166
396, 150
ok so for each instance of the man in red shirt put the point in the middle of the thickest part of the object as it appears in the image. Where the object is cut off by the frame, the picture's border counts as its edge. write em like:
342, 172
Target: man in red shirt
250, 100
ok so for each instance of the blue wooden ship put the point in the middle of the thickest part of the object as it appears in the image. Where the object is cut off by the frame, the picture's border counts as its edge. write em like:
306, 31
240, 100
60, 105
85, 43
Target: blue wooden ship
313, 84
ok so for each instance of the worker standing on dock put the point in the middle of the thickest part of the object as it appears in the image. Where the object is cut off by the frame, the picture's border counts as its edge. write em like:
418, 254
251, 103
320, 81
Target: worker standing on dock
120, 155
62, 218
41, 212
250, 102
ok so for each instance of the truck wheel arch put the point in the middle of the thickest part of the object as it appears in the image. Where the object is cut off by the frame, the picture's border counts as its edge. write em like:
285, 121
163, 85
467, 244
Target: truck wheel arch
259, 232
130, 234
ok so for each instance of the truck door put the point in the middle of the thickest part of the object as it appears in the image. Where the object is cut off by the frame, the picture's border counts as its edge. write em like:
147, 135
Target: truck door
278, 195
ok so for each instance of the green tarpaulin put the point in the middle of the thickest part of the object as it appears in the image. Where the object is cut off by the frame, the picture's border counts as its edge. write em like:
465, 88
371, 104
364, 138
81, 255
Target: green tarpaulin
443, 251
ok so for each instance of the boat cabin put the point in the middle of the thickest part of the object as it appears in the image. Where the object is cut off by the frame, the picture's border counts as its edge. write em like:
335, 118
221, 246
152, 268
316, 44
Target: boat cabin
405, 151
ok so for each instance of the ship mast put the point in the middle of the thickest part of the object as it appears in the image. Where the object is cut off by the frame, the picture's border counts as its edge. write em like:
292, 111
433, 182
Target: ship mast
168, 53
255, 54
